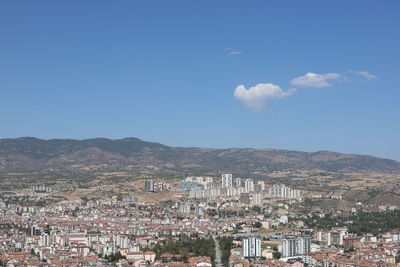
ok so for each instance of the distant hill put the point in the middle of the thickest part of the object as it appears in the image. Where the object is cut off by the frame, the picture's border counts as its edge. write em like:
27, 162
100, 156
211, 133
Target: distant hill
138, 156
373, 197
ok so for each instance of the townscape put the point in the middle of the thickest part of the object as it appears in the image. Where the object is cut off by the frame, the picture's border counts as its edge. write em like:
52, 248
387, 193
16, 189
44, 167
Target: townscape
183, 133
206, 221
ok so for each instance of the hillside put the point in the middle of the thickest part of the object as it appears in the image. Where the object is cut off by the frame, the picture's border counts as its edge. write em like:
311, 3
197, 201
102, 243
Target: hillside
137, 156
373, 197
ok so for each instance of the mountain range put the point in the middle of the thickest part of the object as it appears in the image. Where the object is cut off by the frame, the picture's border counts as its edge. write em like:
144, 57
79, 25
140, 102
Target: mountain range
138, 156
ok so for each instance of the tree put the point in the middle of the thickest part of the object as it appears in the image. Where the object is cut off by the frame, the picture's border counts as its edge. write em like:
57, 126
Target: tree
225, 244
257, 225
276, 255
256, 209
114, 257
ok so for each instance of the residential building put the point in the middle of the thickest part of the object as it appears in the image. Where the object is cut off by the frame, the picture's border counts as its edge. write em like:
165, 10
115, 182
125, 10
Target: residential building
227, 180
251, 247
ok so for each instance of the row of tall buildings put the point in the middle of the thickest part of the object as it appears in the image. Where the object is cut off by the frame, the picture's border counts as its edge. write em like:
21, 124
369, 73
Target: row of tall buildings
41, 189
283, 191
204, 187
191, 183
248, 185
238, 184
291, 246
151, 186
204, 193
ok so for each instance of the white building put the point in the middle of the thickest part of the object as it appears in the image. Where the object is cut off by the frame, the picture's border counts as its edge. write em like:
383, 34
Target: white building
256, 199
251, 247
238, 182
260, 186
149, 185
284, 219
206, 182
184, 208
121, 241
205, 193
249, 185
293, 246
283, 191
227, 180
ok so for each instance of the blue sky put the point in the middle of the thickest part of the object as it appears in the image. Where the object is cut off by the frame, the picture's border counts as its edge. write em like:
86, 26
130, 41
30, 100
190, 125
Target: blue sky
167, 71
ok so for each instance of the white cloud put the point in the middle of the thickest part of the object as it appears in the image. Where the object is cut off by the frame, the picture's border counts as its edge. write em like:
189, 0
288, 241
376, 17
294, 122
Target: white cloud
255, 98
365, 74
232, 52
315, 80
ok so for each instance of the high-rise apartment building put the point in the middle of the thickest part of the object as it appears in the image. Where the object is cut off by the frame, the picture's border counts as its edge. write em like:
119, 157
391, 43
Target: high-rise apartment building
249, 185
238, 182
149, 185
256, 199
293, 246
227, 180
260, 186
251, 247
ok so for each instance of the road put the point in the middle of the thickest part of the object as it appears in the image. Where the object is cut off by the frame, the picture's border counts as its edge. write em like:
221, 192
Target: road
217, 252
